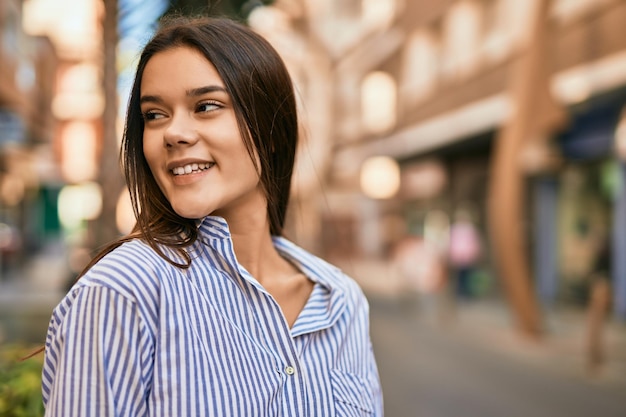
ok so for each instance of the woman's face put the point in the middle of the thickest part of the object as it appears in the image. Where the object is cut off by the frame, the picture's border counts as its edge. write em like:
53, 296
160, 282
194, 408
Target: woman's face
191, 140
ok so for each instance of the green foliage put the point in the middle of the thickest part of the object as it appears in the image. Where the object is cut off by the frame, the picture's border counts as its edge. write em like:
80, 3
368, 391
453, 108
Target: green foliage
20, 383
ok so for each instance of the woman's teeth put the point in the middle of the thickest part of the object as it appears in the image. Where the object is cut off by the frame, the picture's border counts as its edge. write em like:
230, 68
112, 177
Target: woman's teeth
191, 168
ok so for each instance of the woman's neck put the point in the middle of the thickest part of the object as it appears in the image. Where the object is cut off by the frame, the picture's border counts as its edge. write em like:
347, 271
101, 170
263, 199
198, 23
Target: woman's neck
253, 245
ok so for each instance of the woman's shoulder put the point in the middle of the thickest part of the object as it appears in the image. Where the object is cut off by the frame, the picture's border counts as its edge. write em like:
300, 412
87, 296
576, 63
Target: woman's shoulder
131, 269
134, 255
351, 287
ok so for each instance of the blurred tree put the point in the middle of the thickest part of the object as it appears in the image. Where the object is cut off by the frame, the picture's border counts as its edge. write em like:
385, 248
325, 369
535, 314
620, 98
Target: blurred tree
536, 117
237, 9
20, 383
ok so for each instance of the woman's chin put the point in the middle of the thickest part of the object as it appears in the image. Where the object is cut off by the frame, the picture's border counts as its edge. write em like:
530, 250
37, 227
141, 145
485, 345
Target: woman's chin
191, 213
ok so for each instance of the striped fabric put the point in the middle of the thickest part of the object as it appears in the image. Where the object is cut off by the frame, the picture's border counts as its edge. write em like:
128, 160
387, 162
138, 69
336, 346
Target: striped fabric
139, 337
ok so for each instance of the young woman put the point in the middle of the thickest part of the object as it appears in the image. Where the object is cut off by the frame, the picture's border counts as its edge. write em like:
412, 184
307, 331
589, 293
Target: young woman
205, 310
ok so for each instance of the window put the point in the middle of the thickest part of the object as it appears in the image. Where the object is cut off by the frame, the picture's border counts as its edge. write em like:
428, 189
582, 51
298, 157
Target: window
378, 102
462, 31
420, 66
496, 45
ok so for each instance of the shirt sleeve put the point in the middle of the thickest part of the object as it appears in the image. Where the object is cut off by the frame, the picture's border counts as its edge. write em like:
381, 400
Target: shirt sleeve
377, 393
95, 348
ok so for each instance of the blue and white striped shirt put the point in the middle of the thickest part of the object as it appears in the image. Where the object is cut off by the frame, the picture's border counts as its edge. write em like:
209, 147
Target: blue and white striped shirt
137, 336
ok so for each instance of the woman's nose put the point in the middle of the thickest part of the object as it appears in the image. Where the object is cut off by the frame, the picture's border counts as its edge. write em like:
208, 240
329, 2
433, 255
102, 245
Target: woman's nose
180, 131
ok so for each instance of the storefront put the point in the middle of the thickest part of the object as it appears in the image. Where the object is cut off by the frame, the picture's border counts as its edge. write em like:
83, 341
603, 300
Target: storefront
445, 190
578, 216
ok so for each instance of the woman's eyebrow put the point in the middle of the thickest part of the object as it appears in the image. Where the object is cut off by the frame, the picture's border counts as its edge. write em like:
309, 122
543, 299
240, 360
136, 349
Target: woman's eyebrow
150, 99
195, 92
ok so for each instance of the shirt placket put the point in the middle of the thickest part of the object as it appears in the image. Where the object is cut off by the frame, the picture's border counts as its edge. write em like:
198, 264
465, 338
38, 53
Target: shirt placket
279, 339
290, 369
271, 320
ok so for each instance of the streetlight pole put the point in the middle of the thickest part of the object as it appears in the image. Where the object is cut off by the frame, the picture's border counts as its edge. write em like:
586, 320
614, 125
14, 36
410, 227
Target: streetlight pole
109, 176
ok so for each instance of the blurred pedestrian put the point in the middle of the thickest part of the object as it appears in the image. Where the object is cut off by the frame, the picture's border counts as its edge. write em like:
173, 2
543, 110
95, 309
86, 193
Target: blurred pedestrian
418, 264
205, 309
598, 307
464, 252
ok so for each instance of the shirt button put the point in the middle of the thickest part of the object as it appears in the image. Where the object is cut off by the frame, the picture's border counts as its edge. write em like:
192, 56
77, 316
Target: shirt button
289, 370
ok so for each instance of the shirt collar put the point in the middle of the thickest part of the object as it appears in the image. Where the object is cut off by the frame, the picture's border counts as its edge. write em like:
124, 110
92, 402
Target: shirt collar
318, 270
214, 231
213, 227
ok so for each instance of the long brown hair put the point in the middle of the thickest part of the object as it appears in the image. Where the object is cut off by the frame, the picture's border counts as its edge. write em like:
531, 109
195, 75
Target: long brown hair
263, 98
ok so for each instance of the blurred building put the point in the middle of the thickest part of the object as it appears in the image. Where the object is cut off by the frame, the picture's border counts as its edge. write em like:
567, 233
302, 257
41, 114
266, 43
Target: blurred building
51, 95
90, 87
27, 128
403, 102
416, 94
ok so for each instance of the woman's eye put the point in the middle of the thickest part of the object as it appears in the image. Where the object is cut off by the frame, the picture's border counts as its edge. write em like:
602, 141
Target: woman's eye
151, 115
207, 107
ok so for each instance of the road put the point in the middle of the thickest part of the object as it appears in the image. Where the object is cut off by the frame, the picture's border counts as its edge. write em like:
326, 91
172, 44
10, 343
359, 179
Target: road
427, 371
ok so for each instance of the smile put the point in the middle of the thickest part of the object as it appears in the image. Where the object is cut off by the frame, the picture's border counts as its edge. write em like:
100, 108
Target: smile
191, 168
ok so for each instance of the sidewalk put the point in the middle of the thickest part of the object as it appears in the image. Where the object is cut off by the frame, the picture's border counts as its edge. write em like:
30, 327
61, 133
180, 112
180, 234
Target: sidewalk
561, 348
489, 324
28, 295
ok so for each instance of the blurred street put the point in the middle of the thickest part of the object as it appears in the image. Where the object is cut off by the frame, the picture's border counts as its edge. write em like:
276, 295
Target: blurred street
476, 368
28, 295
438, 358
435, 360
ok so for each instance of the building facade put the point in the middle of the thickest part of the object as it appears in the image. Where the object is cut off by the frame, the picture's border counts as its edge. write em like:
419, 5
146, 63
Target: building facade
427, 85
27, 128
